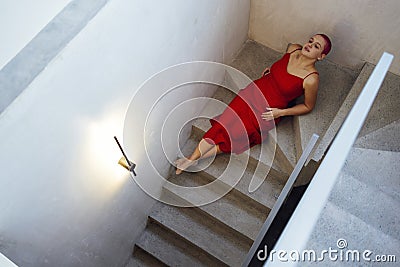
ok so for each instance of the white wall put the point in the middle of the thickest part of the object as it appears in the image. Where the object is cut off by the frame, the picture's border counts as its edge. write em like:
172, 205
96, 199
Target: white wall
64, 201
21, 20
361, 30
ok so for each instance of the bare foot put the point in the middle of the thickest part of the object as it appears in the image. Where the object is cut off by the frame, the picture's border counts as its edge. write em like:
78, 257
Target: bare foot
183, 163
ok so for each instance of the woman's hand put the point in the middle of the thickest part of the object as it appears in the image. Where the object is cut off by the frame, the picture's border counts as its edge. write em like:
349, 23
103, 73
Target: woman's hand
271, 113
266, 71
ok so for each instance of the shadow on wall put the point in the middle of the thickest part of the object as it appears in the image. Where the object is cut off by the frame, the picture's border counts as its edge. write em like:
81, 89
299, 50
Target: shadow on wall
343, 44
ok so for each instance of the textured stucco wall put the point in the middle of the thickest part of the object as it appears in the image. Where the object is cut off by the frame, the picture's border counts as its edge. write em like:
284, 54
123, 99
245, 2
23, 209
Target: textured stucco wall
64, 200
361, 30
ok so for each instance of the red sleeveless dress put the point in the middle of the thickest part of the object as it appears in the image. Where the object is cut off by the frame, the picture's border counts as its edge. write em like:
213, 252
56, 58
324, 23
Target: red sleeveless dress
240, 126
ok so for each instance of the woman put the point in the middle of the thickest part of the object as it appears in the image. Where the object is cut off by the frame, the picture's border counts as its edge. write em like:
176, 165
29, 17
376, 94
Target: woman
252, 113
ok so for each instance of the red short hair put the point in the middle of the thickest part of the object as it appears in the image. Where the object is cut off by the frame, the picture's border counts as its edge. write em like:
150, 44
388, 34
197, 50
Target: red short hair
328, 43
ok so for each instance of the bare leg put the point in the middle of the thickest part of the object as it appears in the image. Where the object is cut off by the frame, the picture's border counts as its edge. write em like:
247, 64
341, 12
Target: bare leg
212, 152
203, 150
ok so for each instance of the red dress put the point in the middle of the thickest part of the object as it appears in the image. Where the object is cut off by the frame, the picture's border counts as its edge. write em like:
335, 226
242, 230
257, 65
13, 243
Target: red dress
240, 126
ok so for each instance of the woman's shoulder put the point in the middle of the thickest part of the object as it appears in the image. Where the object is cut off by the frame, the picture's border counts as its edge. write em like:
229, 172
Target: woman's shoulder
311, 80
293, 47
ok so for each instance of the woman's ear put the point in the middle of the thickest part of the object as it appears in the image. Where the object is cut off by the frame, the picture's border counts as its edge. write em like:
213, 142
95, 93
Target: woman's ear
322, 57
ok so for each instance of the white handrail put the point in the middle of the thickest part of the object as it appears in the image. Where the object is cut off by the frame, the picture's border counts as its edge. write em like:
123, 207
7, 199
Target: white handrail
282, 197
302, 222
6, 262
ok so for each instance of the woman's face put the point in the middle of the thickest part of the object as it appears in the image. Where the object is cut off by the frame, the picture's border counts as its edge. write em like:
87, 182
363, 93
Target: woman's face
314, 47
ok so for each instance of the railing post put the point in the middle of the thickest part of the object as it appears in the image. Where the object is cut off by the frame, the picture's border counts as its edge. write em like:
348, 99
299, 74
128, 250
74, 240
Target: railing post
282, 197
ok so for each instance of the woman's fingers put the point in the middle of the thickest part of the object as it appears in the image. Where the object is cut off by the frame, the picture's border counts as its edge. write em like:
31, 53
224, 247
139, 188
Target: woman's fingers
270, 114
267, 115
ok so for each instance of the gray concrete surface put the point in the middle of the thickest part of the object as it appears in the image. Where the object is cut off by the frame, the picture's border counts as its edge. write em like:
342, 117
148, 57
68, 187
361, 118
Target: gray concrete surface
367, 203
234, 210
173, 250
143, 259
270, 161
377, 168
361, 207
209, 235
336, 223
385, 138
343, 111
335, 84
37, 54
385, 109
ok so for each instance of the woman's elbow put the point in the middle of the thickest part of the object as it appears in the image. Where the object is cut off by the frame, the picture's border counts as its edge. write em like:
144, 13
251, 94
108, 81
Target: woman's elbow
308, 109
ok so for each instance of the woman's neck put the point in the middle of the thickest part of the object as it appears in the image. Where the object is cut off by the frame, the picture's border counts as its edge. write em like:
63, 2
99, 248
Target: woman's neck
304, 61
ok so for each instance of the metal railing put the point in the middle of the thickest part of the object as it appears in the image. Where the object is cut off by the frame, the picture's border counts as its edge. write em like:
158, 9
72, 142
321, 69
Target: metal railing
314, 199
282, 197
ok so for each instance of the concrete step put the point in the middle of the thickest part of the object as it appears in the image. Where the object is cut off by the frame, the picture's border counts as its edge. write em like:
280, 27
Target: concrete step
385, 109
225, 95
141, 258
210, 235
270, 151
342, 112
335, 223
285, 140
386, 138
254, 58
367, 203
335, 84
376, 168
266, 194
235, 210
173, 250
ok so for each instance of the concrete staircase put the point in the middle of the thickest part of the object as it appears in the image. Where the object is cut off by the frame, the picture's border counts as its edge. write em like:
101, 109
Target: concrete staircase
360, 208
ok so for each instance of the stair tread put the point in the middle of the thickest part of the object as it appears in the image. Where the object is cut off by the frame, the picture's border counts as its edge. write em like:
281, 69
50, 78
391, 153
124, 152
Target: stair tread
335, 223
173, 250
142, 258
266, 194
367, 203
209, 235
335, 84
286, 140
200, 126
385, 108
342, 112
234, 210
385, 138
379, 169
254, 58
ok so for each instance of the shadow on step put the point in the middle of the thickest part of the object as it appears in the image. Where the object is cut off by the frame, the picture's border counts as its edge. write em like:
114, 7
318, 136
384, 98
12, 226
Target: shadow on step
278, 225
